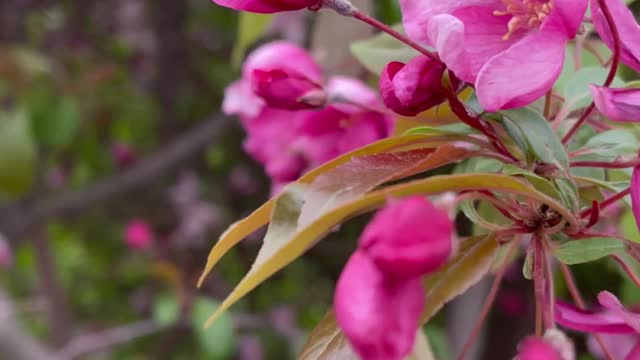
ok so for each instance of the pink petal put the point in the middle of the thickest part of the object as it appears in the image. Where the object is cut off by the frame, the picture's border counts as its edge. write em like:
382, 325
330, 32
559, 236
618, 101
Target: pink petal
628, 29
290, 91
416, 15
618, 344
603, 322
506, 80
447, 34
635, 194
412, 88
266, 6
617, 104
534, 348
634, 354
402, 244
138, 234
571, 14
353, 91
239, 99
379, 316
285, 56
611, 302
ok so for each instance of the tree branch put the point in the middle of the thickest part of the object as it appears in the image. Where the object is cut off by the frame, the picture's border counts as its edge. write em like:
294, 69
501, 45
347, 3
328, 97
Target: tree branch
17, 218
14, 342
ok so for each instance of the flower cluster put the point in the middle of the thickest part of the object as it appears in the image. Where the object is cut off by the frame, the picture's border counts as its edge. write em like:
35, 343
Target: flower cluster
510, 54
281, 102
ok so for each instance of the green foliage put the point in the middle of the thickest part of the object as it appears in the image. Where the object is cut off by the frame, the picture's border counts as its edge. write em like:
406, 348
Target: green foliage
250, 27
586, 250
219, 339
376, 52
17, 153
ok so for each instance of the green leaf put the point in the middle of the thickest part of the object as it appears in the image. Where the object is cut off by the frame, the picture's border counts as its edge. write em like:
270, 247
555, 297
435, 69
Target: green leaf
568, 192
327, 342
17, 154
307, 236
587, 59
612, 143
535, 130
251, 26
166, 310
628, 227
586, 250
453, 129
217, 340
376, 52
537, 181
527, 267
57, 125
576, 90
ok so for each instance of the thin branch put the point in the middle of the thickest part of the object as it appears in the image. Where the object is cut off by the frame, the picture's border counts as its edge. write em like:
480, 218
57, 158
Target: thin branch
17, 218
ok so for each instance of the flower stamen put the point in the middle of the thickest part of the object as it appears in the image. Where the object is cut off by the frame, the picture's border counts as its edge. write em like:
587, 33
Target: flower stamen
525, 14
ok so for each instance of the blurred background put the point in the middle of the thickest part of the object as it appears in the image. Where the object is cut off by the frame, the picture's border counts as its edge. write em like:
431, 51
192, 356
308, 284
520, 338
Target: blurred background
118, 172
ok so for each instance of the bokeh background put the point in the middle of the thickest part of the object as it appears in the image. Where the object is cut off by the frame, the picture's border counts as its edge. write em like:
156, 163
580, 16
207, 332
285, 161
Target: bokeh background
118, 172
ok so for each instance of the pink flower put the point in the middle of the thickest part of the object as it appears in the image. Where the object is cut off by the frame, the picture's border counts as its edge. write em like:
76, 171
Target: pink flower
635, 194
614, 320
378, 314
409, 89
138, 235
617, 104
535, 348
267, 6
288, 90
495, 44
627, 27
402, 244
379, 296
279, 74
123, 154
6, 256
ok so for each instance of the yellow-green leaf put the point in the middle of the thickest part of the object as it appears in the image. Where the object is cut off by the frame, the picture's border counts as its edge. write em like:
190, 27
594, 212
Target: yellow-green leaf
243, 228
17, 154
308, 236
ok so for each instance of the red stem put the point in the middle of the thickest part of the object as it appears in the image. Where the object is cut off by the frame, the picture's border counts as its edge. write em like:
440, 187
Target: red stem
615, 62
385, 28
577, 298
627, 269
606, 165
607, 202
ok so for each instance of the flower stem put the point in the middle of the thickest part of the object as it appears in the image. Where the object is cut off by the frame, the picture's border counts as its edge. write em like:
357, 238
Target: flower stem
486, 307
577, 298
385, 28
627, 269
606, 165
615, 62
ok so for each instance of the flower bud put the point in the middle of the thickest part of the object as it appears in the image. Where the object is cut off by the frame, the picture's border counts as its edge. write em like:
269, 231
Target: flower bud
410, 237
268, 6
288, 90
534, 348
617, 104
409, 89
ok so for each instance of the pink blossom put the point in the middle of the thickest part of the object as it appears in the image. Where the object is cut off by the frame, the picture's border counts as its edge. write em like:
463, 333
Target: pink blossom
635, 194
123, 154
283, 90
628, 30
535, 348
619, 345
495, 44
617, 104
378, 314
409, 89
6, 256
402, 244
379, 296
267, 6
138, 235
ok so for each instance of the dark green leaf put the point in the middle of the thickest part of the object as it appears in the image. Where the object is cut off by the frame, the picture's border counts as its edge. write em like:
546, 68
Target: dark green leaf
585, 250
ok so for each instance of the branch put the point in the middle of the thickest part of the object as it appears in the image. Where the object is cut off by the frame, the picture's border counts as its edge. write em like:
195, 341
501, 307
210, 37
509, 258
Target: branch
16, 344
17, 218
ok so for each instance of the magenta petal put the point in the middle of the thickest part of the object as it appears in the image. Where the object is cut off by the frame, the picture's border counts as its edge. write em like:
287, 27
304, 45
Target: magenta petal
266, 6
635, 194
402, 244
378, 315
239, 99
285, 56
571, 317
617, 104
534, 348
611, 302
506, 80
634, 354
290, 91
628, 29
571, 13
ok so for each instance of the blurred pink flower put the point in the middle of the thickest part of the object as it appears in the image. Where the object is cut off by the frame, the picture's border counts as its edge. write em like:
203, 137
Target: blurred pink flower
635, 194
288, 90
6, 256
535, 348
411, 88
617, 104
267, 6
123, 154
627, 27
379, 296
494, 44
139, 235
288, 143
402, 244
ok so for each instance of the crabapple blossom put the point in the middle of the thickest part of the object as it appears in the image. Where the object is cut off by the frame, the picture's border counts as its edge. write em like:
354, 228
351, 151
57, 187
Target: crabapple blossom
379, 296
617, 104
494, 44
